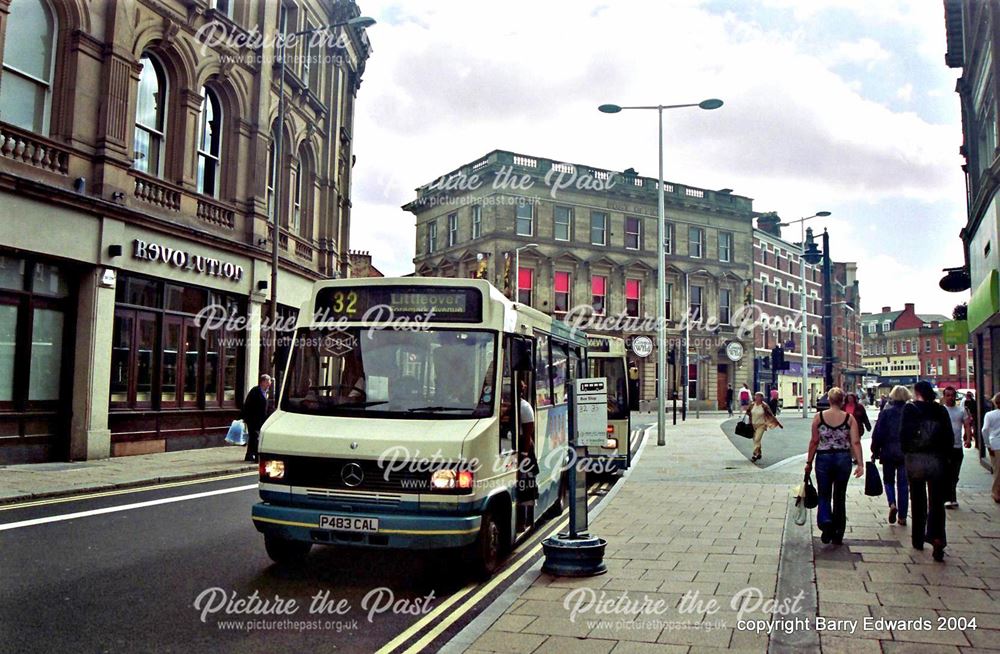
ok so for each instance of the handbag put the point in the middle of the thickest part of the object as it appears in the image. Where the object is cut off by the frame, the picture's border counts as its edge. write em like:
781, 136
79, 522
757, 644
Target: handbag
810, 498
237, 434
873, 480
744, 428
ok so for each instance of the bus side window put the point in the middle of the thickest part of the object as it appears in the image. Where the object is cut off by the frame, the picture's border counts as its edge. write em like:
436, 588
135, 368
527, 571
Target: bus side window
506, 400
560, 363
543, 394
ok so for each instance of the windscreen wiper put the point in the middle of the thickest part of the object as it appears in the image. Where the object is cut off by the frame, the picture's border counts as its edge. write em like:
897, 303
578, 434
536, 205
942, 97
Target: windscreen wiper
439, 408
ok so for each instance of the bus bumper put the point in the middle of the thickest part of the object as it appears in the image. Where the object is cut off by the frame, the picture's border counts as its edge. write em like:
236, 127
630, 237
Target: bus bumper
395, 531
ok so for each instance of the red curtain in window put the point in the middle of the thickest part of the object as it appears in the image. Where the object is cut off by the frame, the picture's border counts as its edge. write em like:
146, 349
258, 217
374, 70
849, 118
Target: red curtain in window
524, 278
597, 284
562, 282
631, 289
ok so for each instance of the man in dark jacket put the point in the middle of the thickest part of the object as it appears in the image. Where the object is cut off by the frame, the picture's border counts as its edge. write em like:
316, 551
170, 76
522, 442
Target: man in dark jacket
255, 413
927, 440
886, 447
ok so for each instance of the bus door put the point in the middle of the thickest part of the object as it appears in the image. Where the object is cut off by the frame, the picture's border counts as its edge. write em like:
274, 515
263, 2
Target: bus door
522, 416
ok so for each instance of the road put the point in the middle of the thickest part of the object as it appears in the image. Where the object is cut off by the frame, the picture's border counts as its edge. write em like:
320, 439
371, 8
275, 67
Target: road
130, 580
781, 444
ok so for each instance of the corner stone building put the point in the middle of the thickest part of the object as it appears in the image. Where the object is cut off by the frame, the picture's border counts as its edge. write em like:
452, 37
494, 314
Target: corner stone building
137, 182
595, 252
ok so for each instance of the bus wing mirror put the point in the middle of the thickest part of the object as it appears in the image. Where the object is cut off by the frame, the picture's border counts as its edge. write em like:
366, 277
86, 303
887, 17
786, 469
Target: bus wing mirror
521, 356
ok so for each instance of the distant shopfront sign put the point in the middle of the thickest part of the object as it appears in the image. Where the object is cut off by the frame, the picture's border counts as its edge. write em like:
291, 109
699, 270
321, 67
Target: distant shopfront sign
184, 260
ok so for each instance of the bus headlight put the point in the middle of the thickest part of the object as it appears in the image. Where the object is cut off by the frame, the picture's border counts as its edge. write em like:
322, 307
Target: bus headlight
451, 480
611, 444
271, 469
443, 480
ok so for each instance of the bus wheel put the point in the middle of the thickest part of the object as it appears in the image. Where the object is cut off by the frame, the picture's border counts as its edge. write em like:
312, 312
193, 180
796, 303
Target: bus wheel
286, 552
484, 555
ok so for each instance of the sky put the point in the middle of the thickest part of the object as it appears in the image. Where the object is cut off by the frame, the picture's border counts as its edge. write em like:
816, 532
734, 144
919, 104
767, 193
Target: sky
830, 105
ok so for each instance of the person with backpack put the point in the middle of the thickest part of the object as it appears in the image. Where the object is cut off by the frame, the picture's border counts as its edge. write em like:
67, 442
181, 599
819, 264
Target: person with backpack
927, 440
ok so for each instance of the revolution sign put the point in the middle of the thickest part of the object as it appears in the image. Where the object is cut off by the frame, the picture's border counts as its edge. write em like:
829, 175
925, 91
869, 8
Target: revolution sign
183, 260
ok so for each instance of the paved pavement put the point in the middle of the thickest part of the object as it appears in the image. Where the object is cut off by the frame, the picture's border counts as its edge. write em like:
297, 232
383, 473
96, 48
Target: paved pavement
30, 481
700, 541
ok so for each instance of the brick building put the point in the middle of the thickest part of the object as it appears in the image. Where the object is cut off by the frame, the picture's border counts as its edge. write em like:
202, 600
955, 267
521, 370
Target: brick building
902, 347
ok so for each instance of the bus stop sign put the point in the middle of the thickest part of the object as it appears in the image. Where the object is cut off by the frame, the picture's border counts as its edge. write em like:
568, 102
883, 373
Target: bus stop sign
591, 411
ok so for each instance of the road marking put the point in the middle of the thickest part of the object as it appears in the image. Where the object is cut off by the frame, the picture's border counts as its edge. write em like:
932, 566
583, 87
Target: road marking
514, 565
123, 491
123, 507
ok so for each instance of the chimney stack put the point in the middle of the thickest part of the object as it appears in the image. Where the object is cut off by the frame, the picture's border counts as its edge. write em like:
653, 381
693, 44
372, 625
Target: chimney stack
908, 306
768, 222
886, 309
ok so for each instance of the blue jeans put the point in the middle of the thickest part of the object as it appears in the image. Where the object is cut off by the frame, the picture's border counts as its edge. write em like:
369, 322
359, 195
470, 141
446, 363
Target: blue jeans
833, 471
894, 479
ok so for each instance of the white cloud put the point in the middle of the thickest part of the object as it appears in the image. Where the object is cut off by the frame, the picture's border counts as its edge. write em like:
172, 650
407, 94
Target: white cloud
905, 92
452, 81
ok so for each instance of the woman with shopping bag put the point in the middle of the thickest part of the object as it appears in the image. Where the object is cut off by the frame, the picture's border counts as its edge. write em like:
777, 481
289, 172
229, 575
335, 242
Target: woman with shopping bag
762, 419
835, 441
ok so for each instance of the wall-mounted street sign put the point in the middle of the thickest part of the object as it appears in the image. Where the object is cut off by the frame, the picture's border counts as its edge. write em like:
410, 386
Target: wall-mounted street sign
591, 411
734, 350
642, 346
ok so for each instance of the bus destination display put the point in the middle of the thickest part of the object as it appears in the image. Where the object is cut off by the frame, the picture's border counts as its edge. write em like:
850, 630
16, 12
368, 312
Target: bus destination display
373, 303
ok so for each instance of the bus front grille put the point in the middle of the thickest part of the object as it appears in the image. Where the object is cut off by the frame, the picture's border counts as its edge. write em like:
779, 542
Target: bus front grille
352, 475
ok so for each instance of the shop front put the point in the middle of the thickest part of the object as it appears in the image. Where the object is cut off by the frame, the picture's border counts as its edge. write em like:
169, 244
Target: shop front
37, 320
984, 328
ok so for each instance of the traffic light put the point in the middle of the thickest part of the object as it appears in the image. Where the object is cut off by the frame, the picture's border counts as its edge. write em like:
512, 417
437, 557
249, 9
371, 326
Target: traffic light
778, 359
672, 356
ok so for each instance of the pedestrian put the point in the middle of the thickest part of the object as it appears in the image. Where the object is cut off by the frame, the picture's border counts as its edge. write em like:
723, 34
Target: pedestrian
991, 437
886, 448
854, 407
773, 401
882, 402
254, 414
762, 419
729, 400
960, 426
633, 387
927, 441
973, 409
871, 396
835, 442
744, 397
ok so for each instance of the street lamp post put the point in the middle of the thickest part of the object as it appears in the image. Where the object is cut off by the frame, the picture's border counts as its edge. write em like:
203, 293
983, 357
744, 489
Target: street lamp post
517, 267
802, 305
661, 277
360, 22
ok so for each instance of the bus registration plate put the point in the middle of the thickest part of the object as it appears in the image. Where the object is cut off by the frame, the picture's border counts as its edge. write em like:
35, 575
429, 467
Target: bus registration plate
349, 523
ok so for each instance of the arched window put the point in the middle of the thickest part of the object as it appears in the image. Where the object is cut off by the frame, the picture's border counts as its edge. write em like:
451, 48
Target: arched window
26, 84
209, 143
150, 117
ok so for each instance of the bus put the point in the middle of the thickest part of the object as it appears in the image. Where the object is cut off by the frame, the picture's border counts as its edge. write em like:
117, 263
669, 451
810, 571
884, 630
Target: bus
606, 358
399, 420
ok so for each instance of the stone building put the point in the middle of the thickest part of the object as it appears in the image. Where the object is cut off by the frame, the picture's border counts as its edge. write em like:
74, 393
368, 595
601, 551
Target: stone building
361, 265
847, 335
138, 178
585, 239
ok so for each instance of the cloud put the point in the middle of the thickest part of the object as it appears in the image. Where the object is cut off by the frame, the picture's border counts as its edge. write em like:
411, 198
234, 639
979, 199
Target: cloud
905, 92
452, 81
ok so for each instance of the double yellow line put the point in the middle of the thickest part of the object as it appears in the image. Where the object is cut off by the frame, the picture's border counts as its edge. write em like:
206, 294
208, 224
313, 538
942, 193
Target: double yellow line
444, 620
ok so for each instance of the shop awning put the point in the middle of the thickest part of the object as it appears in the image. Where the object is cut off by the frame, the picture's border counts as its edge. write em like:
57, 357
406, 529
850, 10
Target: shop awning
985, 300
